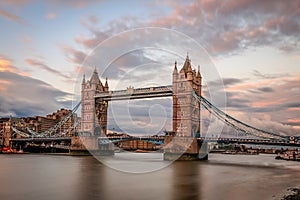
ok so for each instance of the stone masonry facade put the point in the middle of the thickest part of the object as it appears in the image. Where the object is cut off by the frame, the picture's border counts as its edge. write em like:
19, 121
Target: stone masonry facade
186, 109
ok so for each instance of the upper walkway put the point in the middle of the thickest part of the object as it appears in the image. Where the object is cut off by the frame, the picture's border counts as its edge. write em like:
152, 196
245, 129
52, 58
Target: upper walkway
139, 93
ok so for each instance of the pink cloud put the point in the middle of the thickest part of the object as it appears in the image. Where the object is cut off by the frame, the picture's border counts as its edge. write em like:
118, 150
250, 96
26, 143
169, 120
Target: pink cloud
15, 2
73, 55
3, 85
75, 3
43, 66
262, 104
297, 120
26, 39
219, 23
274, 97
7, 66
51, 15
25, 96
88, 42
11, 17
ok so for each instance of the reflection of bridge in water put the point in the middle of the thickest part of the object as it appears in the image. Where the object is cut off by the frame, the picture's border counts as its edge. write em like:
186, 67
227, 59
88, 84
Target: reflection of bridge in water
187, 105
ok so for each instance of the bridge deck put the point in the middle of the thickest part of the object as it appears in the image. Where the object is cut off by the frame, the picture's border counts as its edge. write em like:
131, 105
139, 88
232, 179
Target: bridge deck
160, 139
114, 139
41, 139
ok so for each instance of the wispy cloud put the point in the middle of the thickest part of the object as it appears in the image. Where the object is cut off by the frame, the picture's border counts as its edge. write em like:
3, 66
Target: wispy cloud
74, 55
15, 2
26, 96
12, 17
6, 65
226, 27
268, 76
43, 66
277, 98
75, 3
51, 16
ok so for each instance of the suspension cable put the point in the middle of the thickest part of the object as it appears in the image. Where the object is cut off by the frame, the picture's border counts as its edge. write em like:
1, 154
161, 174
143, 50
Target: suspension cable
227, 119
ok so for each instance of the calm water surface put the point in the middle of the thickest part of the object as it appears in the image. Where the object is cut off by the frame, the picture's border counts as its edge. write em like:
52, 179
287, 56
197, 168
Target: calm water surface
222, 177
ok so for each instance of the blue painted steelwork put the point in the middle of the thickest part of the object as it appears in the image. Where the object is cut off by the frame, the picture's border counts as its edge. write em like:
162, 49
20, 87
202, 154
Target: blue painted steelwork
156, 140
160, 140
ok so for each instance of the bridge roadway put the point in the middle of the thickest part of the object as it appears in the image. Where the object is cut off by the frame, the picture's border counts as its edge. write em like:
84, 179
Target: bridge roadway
41, 139
250, 141
139, 93
160, 140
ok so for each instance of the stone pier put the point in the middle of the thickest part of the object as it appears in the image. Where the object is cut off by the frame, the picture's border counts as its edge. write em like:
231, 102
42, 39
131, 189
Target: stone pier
184, 148
89, 145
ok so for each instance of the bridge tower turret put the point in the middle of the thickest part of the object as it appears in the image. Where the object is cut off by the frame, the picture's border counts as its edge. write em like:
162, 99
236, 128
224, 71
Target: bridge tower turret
175, 103
106, 86
199, 92
91, 121
186, 109
186, 116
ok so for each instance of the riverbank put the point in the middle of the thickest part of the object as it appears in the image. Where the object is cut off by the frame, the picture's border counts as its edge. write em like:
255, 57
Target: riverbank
289, 155
293, 194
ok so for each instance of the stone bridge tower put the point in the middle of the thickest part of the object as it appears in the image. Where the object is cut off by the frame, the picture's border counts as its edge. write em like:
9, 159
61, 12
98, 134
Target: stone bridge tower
93, 114
186, 109
183, 145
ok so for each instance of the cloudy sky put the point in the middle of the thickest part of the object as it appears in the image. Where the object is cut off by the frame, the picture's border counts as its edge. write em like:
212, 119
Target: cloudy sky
253, 46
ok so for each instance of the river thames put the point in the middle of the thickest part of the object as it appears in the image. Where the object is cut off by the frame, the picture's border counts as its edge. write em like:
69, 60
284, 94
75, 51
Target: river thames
36, 176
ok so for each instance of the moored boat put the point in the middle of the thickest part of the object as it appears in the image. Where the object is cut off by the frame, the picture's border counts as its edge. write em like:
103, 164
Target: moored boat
292, 155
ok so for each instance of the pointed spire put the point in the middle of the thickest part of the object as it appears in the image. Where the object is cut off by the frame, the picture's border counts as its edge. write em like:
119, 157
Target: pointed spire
175, 68
95, 78
186, 65
83, 79
198, 73
106, 84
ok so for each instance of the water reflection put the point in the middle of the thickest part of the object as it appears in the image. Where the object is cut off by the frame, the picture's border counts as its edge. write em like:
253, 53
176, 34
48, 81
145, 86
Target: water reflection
66, 177
91, 180
186, 180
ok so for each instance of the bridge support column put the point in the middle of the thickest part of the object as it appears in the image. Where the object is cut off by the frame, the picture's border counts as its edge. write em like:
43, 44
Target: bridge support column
90, 146
184, 148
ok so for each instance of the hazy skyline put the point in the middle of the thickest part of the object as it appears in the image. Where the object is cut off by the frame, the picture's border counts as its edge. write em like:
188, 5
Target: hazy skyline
253, 44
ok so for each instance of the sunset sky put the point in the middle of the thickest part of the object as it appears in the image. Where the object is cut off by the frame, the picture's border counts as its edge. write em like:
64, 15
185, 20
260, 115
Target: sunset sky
254, 46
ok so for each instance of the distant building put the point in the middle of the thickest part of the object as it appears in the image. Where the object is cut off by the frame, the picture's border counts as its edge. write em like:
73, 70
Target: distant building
37, 124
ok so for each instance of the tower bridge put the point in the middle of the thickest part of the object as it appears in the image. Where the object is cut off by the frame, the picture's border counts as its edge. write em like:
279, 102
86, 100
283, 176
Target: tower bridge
186, 109
187, 100
185, 141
